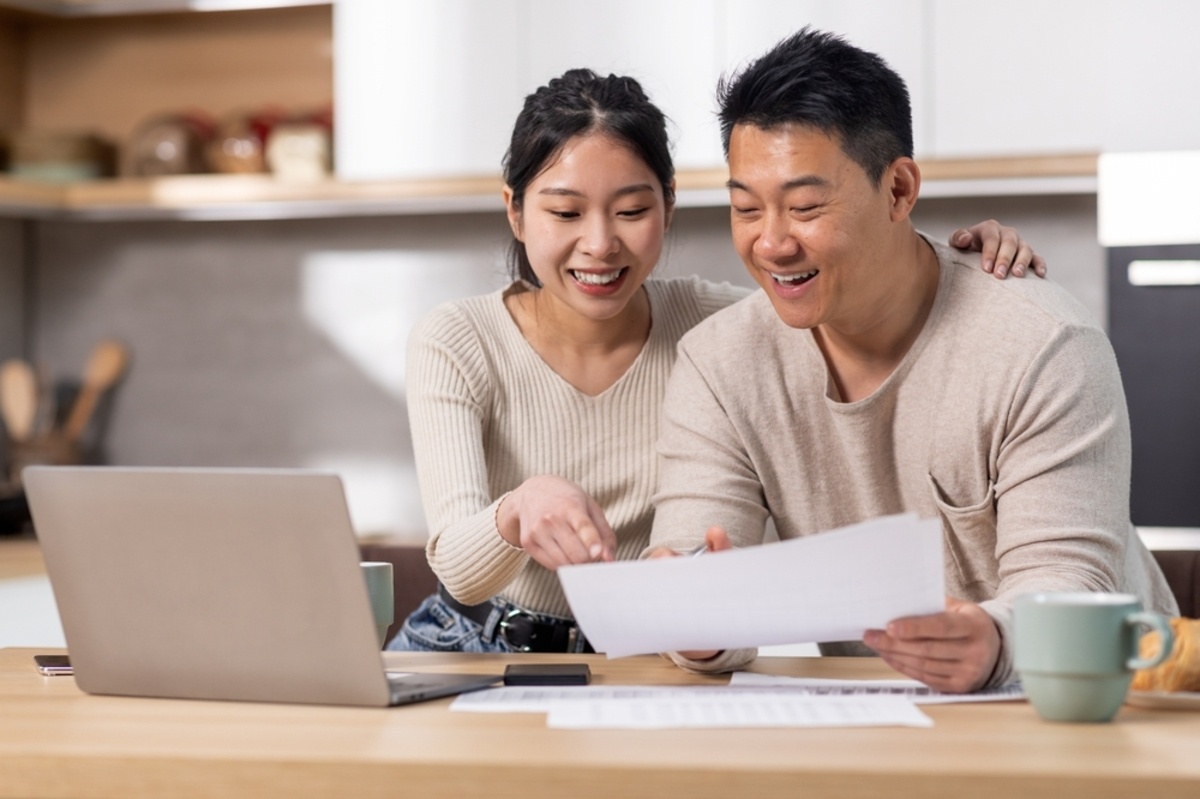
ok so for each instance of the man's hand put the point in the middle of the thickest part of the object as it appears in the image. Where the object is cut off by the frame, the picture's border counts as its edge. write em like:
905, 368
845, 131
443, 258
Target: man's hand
954, 651
1001, 249
556, 522
715, 540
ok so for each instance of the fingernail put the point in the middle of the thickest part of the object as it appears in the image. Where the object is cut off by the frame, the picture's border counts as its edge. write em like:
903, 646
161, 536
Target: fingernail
1019, 270
988, 264
596, 551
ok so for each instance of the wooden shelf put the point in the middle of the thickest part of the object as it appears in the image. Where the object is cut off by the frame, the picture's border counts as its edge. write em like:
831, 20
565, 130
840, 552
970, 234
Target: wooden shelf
236, 197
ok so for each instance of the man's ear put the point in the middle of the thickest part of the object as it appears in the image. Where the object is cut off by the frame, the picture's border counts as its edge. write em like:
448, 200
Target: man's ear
514, 213
902, 180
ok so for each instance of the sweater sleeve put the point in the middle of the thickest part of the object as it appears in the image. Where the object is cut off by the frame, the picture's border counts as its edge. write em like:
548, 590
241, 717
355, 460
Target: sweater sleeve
448, 389
1062, 480
705, 478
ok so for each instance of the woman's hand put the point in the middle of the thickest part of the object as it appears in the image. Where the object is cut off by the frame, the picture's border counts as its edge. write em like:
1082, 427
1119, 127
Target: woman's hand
1001, 247
556, 522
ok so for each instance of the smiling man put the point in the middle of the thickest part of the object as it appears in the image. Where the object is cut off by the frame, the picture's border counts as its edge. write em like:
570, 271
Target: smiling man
879, 372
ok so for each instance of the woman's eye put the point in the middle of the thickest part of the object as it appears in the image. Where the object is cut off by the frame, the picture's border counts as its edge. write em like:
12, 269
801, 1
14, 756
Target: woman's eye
631, 213
565, 214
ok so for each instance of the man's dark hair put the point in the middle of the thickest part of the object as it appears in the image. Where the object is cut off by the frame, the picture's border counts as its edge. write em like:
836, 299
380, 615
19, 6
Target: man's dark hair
819, 80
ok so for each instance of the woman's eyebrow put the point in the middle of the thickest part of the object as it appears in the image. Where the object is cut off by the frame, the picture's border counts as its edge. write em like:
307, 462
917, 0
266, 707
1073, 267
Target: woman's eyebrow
562, 191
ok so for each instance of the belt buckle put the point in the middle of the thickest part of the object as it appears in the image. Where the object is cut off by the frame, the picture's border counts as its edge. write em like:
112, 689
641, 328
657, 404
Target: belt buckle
511, 621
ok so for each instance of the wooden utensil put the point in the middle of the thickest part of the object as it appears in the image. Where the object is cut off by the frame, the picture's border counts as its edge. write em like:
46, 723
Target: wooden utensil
18, 398
105, 366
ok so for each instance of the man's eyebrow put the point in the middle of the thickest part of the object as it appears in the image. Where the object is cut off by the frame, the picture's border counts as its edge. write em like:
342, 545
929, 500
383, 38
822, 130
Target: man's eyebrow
636, 188
794, 183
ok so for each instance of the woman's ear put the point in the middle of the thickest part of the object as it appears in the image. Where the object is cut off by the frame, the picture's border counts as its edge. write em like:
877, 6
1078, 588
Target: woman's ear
670, 202
514, 213
903, 183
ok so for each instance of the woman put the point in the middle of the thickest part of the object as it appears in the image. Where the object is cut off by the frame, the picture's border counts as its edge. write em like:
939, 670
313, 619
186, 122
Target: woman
534, 410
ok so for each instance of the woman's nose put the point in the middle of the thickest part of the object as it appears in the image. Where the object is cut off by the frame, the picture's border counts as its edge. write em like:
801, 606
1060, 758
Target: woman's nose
599, 238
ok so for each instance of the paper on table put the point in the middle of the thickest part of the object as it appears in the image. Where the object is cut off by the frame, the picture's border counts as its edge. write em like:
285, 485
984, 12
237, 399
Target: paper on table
732, 711
914, 690
827, 587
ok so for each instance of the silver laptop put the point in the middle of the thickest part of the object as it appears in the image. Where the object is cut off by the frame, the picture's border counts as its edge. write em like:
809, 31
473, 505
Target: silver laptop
215, 584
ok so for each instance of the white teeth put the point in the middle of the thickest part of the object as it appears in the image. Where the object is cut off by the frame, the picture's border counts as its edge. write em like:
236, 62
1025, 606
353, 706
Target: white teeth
788, 280
596, 279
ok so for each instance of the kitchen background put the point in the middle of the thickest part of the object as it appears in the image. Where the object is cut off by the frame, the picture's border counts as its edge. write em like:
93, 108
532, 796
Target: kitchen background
266, 317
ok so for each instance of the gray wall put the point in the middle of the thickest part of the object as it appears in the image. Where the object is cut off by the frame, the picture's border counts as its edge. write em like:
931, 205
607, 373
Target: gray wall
282, 343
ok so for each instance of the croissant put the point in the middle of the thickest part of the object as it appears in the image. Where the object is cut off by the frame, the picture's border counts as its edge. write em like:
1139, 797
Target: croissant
1181, 670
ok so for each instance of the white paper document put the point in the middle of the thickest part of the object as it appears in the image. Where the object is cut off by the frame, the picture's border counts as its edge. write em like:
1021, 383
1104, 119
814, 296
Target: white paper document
828, 587
755, 710
912, 690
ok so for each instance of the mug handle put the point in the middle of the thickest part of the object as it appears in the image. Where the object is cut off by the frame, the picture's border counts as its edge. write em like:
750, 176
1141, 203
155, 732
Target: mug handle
1166, 637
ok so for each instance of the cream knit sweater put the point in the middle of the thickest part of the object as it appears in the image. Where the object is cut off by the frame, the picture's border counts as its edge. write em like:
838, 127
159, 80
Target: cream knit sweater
487, 413
1006, 420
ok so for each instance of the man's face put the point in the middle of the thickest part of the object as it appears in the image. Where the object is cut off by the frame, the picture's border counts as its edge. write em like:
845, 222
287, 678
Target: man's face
808, 224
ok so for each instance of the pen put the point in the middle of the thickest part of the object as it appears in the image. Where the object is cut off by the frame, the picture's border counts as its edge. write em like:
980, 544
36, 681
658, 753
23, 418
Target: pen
698, 551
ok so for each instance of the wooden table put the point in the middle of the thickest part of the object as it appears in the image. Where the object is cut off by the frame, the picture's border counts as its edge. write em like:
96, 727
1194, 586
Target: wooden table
58, 742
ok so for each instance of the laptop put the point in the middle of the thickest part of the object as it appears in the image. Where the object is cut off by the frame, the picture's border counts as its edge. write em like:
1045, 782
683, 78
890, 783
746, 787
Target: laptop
231, 584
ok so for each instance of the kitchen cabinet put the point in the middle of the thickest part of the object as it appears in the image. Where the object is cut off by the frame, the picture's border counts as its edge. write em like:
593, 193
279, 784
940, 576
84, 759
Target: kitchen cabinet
1044, 76
426, 92
457, 118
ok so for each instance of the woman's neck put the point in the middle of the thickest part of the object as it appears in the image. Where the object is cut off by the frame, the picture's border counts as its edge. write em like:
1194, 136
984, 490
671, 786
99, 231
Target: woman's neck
590, 354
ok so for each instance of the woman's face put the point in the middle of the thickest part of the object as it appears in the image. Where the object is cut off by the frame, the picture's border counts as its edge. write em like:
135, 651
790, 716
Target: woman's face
593, 224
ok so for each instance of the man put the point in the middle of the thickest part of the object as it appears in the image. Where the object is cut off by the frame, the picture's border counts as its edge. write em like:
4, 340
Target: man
879, 372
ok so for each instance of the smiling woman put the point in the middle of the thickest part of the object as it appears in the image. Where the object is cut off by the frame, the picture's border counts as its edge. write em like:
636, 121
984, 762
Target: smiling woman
534, 410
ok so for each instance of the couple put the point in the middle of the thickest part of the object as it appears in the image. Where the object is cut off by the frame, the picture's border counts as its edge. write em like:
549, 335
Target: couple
876, 372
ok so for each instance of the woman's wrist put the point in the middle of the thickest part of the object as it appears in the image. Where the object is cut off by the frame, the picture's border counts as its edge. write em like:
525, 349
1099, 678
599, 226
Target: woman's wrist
508, 519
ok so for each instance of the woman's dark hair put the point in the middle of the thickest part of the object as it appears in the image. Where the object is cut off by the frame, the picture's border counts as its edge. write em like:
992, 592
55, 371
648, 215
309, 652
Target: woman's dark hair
581, 102
819, 80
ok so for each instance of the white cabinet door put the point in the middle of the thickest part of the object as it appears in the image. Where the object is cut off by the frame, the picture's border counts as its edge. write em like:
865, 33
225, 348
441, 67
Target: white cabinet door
1024, 76
1052, 76
670, 46
1151, 76
424, 89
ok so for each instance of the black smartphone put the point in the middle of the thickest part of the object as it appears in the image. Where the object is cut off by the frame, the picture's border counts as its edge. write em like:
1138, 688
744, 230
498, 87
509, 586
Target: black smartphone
53, 665
547, 674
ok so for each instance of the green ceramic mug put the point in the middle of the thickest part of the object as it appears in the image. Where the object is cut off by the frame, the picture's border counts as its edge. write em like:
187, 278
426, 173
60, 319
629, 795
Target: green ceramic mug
1076, 652
381, 591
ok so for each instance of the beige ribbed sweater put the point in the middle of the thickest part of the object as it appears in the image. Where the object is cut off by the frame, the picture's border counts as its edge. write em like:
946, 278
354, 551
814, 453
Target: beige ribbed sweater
1006, 420
487, 413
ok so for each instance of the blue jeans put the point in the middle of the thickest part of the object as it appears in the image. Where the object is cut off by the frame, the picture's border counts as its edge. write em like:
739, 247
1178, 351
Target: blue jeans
437, 627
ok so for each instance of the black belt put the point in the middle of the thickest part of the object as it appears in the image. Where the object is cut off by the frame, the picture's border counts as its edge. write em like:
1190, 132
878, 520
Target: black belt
524, 631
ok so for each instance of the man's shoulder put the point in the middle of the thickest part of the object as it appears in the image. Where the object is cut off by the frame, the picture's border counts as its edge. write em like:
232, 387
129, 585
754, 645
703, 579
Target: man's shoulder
749, 312
692, 297
1029, 302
